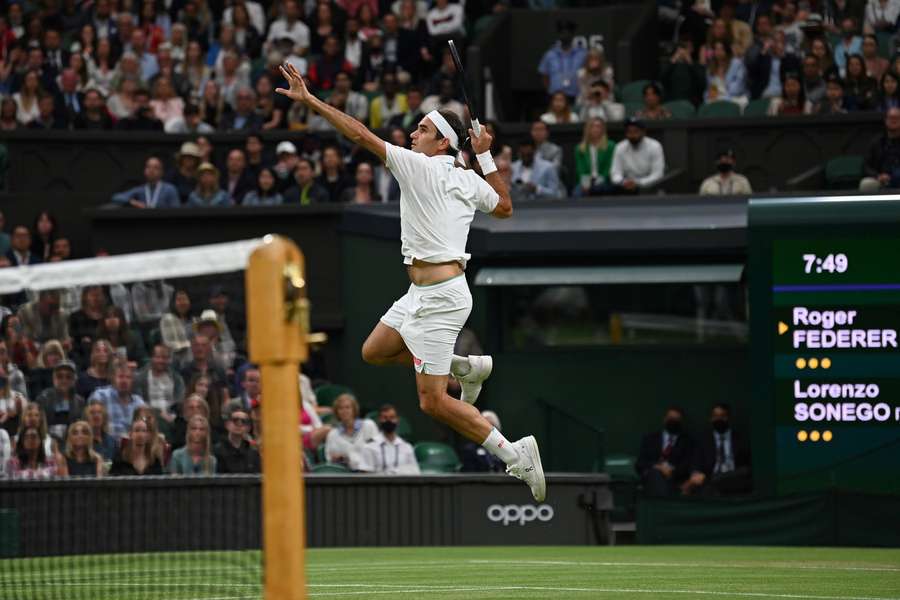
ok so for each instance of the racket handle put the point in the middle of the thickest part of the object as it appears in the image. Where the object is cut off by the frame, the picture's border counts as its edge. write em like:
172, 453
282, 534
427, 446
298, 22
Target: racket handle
476, 126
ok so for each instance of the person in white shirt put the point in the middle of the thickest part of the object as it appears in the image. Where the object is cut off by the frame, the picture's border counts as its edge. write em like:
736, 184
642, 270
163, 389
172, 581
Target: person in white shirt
445, 19
254, 11
291, 27
638, 161
390, 453
437, 204
350, 434
726, 181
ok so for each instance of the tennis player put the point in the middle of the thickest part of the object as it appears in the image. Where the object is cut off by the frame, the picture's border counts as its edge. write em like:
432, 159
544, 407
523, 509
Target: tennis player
437, 204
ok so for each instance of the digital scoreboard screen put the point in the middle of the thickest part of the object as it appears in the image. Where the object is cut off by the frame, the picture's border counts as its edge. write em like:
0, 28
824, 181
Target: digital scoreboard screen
825, 317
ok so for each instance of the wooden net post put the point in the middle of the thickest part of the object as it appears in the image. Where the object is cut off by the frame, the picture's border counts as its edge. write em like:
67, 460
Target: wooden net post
277, 328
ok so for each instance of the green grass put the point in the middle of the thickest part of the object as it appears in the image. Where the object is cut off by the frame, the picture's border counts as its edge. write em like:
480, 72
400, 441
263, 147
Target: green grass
518, 573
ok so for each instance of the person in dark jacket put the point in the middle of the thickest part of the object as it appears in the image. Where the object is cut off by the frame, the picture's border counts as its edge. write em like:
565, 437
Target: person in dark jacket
666, 456
721, 459
767, 69
882, 166
235, 453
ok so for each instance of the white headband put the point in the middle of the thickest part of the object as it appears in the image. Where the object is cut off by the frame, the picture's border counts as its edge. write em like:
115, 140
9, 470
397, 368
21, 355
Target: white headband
444, 127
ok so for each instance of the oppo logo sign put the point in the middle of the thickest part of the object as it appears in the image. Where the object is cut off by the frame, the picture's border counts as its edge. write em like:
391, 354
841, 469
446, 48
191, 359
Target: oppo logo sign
511, 513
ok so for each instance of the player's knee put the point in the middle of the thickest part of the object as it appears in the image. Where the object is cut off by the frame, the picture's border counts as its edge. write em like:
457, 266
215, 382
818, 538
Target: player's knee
430, 402
369, 353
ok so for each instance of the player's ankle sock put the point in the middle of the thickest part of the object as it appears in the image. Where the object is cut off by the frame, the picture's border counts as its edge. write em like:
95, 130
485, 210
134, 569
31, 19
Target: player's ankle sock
459, 365
500, 447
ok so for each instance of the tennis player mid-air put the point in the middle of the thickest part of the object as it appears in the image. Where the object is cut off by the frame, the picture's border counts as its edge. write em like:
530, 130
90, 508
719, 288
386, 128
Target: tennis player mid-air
437, 204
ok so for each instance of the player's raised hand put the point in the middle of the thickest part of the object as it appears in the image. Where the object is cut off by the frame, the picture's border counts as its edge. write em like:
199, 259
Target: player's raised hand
481, 143
298, 91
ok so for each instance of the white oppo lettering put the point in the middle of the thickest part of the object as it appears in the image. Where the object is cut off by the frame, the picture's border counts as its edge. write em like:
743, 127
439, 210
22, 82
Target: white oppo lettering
512, 513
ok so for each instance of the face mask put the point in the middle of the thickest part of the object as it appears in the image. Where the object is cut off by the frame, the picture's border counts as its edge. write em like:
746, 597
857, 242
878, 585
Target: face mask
720, 425
673, 426
724, 167
634, 143
388, 426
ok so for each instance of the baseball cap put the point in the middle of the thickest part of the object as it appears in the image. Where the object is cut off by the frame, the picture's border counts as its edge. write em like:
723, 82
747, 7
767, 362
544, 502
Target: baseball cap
65, 364
635, 121
285, 148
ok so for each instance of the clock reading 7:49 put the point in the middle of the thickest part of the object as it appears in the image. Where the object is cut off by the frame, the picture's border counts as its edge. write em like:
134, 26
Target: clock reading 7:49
830, 263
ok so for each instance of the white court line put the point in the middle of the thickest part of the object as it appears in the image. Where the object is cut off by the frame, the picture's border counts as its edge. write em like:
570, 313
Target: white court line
715, 565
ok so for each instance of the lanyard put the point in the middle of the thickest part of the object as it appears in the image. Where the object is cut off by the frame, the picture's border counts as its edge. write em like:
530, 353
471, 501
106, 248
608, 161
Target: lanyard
384, 458
152, 198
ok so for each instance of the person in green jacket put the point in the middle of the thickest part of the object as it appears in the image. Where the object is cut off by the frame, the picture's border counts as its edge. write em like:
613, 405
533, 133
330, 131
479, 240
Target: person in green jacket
593, 159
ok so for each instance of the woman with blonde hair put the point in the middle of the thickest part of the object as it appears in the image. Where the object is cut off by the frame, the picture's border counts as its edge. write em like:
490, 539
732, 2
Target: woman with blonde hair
81, 459
595, 69
101, 441
137, 458
593, 159
196, 457
99, 368
208, 193
159, 447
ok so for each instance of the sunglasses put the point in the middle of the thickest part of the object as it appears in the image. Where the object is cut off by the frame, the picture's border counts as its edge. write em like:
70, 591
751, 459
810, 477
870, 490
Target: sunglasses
240, 421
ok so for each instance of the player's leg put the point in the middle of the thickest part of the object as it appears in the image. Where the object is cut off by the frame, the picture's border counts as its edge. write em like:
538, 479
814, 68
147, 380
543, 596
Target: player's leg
385, 346
471, 372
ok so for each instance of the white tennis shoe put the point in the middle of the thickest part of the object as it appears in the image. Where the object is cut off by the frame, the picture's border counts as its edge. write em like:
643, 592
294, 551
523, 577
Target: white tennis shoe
528, 468
480, 368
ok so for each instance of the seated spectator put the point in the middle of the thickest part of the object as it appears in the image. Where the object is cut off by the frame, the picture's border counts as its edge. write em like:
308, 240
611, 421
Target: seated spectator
19, 253
534, 178
859, 88
665, 458
208, 193
357, 105
741, 34
391, 455
33, 416
44, 231
598, 105
190, 122
389, 104
475, 459
42, 319
155, 193
165, 102
444, 99
768, 69
81, 458
876, 66
813, 81
285, 164
409, 120
212, 104
593, 160
722, 460
319, 124
849, 44
881, 15
638, 160
595, 69
833, 103
137, 457
683, 78
543, 147
289, 27
60, 402
322, 72
237, 180
445, 21
307, 190
889, 92
265, 194
232, 75
559, 112
792, 28
726, 181
122, 104
195, 457
211, 386
9, 115
346, 441
159, 384
102, 443
143, 118
560, 64
26, 99
119, 398
184, 176
235, 454
176, 325
333, 177
653, 108
363, 192
373, 64
244, 118
48, 117
726, 76
819, 48
212, 325
30, 460
251, 387
311, 428
83, 322
12, 403
18, 350
270, 107
717, 32
882, 165
792, 101
127, 344
99, 371
94, 116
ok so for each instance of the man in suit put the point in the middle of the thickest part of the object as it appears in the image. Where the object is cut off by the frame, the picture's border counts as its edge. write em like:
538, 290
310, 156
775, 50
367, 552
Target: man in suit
55, 58
244, 118
20, 253
766, 70
154, 193
533, 177
722, 459
236, 179
664, 462
69, 101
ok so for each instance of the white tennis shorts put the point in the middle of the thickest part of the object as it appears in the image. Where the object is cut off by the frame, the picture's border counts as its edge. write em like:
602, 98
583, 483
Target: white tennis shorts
429, 319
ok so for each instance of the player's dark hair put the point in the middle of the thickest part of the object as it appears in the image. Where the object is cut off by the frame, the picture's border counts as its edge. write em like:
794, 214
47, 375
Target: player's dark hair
456, 124
722, 406
385, 407
677, 409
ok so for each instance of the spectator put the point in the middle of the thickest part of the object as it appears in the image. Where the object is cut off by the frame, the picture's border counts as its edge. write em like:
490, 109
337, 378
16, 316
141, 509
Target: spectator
363, 192
159, 384
833, 103
208, 193
726, 76
373, 64
12, 402
193, 404
191, 123
286, 161
30, 460
323, 71
270, 108
195, 457
821, 50
313, 431
101, 66
793, 99
559, 112
475, 459
413, 52
122, 104
726, 181
306, 189
289, 28
593, 160
8, 115
882, 166
146, 60
389, 104
143, 118
55, 58
849, 44
155, 193
6, 452
184, 176
41, 376
391, 454
61, 403
237, 180
81, 458
445, 21
859, 88
45, 230
83, 323
876, 66
15, 377
791, 27
767, 71
137, 457
102, 443
244, 117
653, 108
881, 16
409, 120
33, 416
126, 344
638, 161
813, 81
265, 193
595, 69
235, 454
62, 250
665, 457
119, 398
99, 371
357, 105
333, 177
176, 325
444, 99
48, 117
194, 68
255, 14
206, 376
543, 147
722, 462
251, 387
682, 77
597, 104
26, 98
560, 64
346, 441
741, 34
889, 92
22, 350
533, 177
43, 320
319, 124
94, 115
166, 105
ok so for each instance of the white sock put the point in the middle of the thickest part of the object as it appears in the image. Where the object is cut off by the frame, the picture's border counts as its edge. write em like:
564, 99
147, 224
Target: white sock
500, 447
459, 365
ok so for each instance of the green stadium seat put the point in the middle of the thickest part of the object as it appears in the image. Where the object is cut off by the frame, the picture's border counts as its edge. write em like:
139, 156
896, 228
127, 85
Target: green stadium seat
722, 109
634, 91
632, 107
404, 429
757, 108
325, 394
681, 109
844, 172
434, 457
330, 468
620, 467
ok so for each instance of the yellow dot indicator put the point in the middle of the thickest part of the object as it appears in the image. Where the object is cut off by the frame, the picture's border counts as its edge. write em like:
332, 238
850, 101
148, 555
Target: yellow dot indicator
814, 436
801, 363
814, 363
826, 363
801, 436
826, 436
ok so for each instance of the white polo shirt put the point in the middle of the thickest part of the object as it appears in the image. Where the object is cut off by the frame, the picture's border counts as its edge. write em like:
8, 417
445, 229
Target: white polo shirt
437, 204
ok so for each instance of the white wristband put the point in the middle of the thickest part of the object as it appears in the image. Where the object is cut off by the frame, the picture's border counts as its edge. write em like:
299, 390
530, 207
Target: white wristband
487, 163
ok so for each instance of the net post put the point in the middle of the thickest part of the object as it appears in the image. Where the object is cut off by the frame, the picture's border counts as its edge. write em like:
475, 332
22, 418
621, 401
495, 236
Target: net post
277, 328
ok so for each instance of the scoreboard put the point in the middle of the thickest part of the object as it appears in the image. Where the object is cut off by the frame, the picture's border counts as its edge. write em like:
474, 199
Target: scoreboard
824, 276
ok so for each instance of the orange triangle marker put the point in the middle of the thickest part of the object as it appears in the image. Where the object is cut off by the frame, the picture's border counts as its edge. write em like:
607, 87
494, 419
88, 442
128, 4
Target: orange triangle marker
782, 327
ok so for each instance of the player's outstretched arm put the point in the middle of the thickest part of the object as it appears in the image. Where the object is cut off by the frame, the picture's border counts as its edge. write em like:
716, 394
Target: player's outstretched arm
349, 127
481, 144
